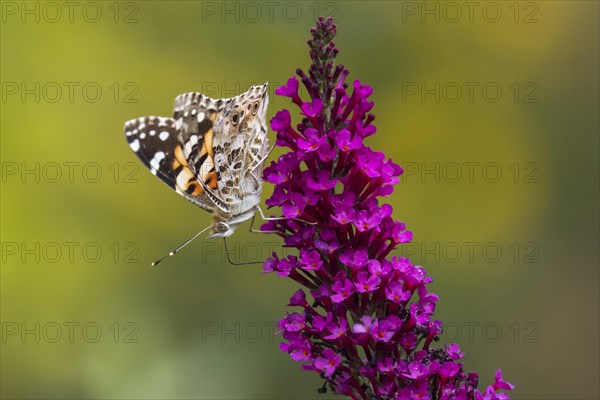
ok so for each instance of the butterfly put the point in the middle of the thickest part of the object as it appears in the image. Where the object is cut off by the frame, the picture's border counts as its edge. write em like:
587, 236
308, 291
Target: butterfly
211, 152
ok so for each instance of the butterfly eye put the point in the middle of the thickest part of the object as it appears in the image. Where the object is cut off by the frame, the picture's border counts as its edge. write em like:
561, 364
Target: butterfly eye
235, 119
255, 109
222, 227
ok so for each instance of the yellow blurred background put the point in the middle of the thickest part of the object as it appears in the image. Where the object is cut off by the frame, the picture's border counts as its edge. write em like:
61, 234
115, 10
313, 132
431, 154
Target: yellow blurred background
491, 107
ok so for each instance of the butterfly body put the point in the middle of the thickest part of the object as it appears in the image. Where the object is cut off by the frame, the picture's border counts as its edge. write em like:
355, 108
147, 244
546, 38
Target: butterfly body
211, 152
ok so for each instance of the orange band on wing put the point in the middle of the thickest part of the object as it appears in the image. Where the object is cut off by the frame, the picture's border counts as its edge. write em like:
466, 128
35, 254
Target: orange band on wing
186, 181
179, 156
211, 180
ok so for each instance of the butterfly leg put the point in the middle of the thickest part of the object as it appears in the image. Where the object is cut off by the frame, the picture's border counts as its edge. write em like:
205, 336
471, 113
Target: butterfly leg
262, 215
258, 230
236, 263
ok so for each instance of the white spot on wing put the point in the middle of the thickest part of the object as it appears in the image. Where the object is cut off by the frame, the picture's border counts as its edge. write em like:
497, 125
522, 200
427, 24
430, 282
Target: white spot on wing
155, 162
152, 132
163, 135
143, 135
135, 145
200, 117
187, 149
182, 180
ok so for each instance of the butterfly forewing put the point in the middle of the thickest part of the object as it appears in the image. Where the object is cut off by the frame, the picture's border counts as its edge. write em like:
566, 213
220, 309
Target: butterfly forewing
153, 140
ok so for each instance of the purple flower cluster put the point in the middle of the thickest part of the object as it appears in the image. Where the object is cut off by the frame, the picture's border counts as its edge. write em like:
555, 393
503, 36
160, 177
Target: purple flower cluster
368, 329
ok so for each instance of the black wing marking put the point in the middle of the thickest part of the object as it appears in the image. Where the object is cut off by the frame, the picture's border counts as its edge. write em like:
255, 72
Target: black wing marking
155, 140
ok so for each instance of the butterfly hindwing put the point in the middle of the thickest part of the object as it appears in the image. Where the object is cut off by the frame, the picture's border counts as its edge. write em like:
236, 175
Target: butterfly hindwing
241, 145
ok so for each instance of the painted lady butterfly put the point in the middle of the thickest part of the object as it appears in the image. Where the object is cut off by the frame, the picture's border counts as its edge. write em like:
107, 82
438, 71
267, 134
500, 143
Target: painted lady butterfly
211, 152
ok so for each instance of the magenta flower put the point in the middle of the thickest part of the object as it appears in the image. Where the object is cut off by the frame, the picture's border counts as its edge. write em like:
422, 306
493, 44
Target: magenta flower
384, 330
312, 142
293, 322
449, 370
299, 350
355, 259
290, 90
366, 282
312, 109
327, 362
364, 327
298, 299
346, 143
365, 220
310, 259
322, 181
336, 330
343, 216
416, 370
499, 382
343, 289
282, 121
395, 293
294, 205
368, 329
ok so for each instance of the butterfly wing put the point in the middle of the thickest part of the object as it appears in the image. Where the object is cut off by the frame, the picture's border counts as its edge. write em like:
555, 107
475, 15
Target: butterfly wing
240, 145
157, 143
195, 116
211, 151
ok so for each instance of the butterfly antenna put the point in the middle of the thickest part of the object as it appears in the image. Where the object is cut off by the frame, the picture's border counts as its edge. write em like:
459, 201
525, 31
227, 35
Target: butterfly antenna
181, 246
236, 263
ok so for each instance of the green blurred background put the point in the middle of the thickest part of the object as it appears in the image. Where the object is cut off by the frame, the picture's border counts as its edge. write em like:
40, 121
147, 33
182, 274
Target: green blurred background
86, 325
